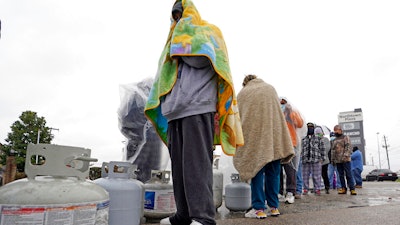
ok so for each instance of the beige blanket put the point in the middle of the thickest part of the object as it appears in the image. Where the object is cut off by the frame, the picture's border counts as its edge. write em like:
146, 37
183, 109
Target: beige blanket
265, 132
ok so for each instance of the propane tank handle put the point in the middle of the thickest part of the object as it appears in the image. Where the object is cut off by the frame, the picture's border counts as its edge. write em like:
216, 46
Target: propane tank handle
58, 161
216, 162
161, 176
88, 159
235, 178
119, 169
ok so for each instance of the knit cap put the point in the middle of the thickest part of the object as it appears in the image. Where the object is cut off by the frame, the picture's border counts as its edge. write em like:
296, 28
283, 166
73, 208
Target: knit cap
318, 131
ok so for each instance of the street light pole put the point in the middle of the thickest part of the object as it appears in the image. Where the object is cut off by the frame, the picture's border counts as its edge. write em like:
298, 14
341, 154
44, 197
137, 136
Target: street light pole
379, 152
52, 128
38, 136
38, 141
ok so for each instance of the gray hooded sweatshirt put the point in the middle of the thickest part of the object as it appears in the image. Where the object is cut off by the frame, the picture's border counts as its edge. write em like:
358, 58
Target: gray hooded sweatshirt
195, 90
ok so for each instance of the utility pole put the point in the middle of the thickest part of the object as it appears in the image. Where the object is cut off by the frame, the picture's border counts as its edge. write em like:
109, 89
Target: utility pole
386, 147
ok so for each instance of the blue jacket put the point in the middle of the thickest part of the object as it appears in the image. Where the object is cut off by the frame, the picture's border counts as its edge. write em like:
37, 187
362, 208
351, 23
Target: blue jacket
356, 160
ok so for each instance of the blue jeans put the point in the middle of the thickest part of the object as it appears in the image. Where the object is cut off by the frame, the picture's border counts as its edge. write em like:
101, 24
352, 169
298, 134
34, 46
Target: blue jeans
357, 176
299, 183
265, 186
331, 170
344, 170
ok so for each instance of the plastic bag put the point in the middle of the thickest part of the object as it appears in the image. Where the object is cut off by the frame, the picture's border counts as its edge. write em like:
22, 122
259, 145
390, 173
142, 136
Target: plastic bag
143, 147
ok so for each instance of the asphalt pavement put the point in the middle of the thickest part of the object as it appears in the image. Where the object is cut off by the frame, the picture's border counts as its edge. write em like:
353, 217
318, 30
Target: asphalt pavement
375, 203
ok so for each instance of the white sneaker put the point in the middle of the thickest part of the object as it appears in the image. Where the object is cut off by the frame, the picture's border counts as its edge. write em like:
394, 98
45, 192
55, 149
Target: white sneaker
165, 221
281, 198
254, 213
194, 222
289, 198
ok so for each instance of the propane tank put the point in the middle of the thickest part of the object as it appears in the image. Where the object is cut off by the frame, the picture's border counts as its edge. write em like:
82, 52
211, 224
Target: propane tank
126, 192
237, 194
55, 191
217, 184
159, 201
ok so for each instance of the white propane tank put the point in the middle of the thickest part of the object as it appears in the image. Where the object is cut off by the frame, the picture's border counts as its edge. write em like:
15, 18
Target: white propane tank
159, 200
56, 190
237, 194
218, 184
126, 193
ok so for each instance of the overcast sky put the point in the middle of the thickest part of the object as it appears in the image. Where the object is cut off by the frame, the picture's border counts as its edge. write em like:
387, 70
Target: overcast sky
66, 59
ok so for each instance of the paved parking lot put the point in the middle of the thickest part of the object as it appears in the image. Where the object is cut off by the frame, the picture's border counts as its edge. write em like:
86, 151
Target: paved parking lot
369, 206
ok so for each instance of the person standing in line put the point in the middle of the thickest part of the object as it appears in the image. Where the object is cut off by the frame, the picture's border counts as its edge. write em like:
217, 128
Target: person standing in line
357, 166
267, 144
294, 122
312, 155
324, 170
192, 105
333, 174
341, 157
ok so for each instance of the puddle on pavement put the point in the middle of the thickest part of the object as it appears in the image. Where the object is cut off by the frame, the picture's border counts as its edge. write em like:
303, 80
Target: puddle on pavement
381, 200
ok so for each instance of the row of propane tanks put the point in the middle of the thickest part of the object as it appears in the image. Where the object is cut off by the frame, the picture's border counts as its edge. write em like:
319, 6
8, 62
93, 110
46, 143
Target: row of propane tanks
57, 191
154, 199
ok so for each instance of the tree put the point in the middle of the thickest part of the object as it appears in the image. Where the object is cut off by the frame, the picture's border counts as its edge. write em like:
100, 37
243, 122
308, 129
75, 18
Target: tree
28, 129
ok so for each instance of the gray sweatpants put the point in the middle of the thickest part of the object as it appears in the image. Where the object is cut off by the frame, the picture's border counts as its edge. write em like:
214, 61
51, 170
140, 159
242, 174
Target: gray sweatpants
190, 144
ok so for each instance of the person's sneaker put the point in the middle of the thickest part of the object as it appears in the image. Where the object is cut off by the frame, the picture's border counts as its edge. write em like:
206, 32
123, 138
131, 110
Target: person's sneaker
326, 191
318, 192
254, 213
353, 192
358, 186
194, 222
289, 198
165, 221
342, 191
281, 198
275, 212
305, 192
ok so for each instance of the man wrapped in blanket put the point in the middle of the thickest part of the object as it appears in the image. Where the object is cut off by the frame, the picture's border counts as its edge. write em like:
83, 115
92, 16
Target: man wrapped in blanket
192, 106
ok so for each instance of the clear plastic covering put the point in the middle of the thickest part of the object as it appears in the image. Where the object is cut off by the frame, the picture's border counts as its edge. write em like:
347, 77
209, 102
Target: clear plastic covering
144, 147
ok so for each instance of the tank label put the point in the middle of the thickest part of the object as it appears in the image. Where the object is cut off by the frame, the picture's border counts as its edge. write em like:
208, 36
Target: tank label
159, 200
83, 214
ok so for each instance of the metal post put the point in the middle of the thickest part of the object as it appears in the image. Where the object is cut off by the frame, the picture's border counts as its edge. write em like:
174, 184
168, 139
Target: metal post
38, 137
38, 141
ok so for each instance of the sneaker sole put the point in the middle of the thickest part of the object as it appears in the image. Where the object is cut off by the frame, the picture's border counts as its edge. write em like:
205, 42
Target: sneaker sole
256, 217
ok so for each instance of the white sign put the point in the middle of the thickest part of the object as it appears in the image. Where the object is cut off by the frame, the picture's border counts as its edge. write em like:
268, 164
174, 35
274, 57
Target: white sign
352, 133
355, 140
350, 117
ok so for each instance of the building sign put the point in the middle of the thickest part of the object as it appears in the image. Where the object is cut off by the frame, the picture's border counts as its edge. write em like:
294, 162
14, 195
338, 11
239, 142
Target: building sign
355, 141
352, 126
345, 117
